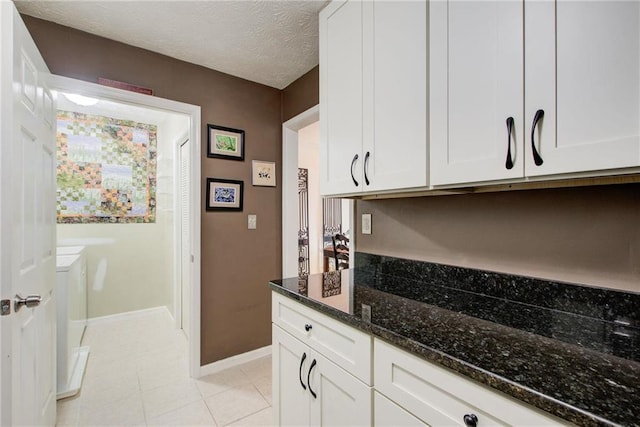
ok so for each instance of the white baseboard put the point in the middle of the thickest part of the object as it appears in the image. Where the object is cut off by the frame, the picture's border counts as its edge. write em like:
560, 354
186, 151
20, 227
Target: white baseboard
127, 315
236, 360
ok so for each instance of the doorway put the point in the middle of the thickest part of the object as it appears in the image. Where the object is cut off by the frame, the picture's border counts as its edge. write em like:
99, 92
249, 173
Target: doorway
320, 219
296, 130
176, 200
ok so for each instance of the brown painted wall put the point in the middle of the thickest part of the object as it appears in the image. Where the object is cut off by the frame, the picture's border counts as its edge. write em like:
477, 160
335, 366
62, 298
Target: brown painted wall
586, 235
236, 262
301, 95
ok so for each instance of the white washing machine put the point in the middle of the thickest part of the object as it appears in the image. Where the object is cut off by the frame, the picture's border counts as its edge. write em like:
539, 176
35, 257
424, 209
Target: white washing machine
71, 294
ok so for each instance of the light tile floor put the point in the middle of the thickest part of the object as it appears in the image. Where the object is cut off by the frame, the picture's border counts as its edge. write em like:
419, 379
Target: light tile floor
137, 375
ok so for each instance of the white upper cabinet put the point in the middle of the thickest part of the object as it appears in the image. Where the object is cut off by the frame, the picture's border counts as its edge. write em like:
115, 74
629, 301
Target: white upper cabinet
341, 98
583, 70
476, 91
373, 96
398, 143
572, 65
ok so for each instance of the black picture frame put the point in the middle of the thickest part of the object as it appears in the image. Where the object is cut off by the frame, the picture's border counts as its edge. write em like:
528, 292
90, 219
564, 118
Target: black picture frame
228, 197
225, 143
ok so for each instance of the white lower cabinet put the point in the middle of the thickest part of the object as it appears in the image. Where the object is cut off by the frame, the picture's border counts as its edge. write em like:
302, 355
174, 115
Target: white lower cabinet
308, 389
440, 397
344, 345
290, 393
327, 373
389, 414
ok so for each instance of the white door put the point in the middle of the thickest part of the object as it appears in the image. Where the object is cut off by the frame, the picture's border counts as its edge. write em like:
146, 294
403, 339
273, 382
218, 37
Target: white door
476, 75
583, 72
27, 200
185, 245
291, 362
341, 98
340, 398
395, 129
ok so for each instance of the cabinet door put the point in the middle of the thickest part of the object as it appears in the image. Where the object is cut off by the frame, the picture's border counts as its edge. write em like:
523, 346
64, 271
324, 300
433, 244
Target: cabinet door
340, 398
395, 79
291, 361
583, 71
341, 98
387, 413
476, 84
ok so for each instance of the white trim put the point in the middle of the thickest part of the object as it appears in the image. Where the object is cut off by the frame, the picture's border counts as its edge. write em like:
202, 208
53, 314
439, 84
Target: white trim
177, 235
236, 360
194, 113
290, 130
126, 315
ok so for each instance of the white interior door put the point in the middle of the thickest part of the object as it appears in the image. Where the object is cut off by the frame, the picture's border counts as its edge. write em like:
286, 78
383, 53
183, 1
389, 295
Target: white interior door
28, 227
185, 252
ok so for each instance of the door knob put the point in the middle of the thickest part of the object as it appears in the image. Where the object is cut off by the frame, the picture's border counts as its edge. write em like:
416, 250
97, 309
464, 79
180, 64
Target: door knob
30, 302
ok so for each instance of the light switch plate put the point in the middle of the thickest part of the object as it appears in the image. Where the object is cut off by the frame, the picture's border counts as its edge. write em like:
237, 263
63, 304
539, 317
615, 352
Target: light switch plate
366, 224
252, 222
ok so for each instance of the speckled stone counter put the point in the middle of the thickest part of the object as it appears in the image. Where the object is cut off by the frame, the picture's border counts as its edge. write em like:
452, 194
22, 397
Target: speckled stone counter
570, 350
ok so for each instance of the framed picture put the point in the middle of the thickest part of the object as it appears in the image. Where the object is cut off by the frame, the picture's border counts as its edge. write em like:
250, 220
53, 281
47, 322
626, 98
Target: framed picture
225, 143
263, 173
224, 194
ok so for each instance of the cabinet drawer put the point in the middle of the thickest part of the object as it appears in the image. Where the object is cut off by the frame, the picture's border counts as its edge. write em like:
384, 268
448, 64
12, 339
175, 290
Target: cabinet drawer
347, 347
441, 397
388, 414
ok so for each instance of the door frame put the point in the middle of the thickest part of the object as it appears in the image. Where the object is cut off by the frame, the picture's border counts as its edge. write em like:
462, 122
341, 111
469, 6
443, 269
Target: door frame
290, 130
194, 112
177, 230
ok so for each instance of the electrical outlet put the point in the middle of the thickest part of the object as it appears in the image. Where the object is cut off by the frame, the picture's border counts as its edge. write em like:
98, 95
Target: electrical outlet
366, 224
366, 313
252, 221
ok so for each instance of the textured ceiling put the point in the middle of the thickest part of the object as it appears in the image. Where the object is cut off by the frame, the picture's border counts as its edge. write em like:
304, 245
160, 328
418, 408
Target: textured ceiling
269, 42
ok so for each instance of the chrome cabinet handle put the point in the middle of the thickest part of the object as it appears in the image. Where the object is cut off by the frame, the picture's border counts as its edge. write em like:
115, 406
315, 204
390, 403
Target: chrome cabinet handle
509, 163
536, 156
353, 162
29, 302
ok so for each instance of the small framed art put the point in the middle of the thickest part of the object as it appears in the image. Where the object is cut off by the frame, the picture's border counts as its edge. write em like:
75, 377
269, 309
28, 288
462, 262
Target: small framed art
224, 194
263, 173
225, 143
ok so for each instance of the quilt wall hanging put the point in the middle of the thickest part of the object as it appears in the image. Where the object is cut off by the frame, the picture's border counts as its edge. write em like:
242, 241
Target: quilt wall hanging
106, 170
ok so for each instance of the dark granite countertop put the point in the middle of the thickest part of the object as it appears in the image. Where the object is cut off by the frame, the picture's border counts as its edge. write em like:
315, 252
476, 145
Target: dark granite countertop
573, 351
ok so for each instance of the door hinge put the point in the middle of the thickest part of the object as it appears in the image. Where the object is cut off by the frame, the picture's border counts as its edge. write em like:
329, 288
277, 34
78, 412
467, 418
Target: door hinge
5, 307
